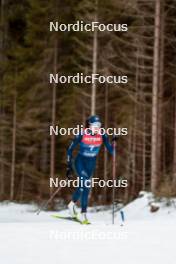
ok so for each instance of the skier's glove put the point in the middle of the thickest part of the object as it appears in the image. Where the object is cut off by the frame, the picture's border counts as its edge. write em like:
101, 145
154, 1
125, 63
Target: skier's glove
69, 173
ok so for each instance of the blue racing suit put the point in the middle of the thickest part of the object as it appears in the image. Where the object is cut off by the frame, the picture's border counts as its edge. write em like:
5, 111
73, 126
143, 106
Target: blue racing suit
85, 162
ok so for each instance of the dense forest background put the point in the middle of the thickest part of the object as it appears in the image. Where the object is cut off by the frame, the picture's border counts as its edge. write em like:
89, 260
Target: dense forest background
29, 52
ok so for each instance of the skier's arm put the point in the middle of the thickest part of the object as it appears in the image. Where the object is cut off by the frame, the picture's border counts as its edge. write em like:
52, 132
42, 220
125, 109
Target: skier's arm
70, 149
109, 146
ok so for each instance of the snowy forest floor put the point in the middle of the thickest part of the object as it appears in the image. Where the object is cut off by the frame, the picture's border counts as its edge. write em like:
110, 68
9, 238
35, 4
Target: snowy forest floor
145, 237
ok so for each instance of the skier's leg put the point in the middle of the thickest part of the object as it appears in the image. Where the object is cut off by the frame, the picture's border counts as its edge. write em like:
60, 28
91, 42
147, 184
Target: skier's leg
76, 195
83, 171
90, 167
78, 169
84, 168
84, 199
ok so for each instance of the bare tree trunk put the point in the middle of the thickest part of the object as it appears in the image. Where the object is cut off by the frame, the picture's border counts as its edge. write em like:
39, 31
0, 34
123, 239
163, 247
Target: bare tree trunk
134, 131
154, 166
134, 159
53, 117
94, 64
128, 171
12, 185
174, 161
144, 151
2, 154
22, 183
160, 95
2, 104
105, 150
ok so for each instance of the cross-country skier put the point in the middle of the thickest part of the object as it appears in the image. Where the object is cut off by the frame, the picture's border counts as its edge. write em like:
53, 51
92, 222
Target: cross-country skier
85, 162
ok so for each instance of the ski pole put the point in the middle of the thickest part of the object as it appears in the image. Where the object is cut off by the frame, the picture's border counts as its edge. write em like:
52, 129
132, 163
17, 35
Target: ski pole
45, 204
122, 217
114, 176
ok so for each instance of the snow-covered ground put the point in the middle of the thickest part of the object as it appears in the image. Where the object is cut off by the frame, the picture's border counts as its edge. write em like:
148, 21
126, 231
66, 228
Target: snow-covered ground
145, 237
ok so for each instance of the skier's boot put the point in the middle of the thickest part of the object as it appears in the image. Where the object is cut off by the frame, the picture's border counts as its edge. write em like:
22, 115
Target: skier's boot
72, 209
83, 219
